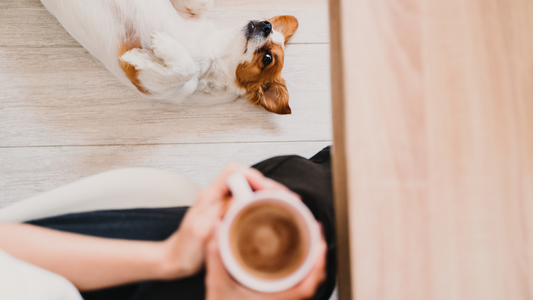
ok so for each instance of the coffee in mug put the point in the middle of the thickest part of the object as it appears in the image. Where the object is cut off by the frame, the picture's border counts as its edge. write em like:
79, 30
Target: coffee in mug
268, 239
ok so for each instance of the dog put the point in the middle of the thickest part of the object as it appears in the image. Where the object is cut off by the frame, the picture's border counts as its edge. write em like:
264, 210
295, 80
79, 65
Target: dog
165, 49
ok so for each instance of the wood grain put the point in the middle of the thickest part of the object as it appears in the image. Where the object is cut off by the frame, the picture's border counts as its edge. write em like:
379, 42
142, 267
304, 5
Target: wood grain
339, 154
64, 116
480, 121
28, 23
437, 131
45, 100
27, 171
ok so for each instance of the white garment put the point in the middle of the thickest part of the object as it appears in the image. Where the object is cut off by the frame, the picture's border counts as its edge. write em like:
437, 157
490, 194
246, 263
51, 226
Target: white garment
20, 280
116, 189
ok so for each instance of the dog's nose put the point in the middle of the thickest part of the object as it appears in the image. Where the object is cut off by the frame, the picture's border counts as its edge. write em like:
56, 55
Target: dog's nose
266, 27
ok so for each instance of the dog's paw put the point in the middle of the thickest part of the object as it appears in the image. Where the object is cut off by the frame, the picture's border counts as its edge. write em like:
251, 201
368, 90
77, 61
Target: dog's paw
196, 8
164, 46
139, 58
177, 59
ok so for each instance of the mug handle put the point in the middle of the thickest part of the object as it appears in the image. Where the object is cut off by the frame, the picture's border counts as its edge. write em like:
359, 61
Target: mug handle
240, 188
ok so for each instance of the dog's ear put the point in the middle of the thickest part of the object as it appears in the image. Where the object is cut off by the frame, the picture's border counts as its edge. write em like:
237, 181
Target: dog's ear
274, 97
287, 25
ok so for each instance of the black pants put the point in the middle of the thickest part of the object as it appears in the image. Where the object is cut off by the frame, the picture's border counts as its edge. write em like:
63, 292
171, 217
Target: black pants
311, 179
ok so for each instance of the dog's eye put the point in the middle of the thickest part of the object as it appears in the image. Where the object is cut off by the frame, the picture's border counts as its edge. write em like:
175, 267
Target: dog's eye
267, 59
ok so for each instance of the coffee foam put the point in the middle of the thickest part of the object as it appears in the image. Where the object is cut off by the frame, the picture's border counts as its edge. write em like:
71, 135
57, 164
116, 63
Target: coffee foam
269, 239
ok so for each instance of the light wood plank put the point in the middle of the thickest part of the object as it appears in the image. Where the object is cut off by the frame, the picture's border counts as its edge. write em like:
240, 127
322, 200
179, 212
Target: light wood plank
27, 171
28, 23
46, 100
388, 180
480, 132
437, 141
20, 4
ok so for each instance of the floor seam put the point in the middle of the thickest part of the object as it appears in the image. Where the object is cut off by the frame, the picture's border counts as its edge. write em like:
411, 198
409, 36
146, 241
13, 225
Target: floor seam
162, 144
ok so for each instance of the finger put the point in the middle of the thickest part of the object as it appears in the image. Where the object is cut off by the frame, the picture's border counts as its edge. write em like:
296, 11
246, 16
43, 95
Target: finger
215, 267
221, 181
217, 210
224, 209
274, 185
259, 182
216, 276
308, 286
320, 266
219, 187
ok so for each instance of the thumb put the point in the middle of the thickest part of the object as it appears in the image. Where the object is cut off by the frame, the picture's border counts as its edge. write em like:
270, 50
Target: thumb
214, 265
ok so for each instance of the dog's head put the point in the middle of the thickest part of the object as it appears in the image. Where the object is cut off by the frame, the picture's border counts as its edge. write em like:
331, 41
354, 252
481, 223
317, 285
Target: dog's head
259, 73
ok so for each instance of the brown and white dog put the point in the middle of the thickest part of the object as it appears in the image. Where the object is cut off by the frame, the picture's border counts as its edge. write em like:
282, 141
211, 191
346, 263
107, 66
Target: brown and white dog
165, 50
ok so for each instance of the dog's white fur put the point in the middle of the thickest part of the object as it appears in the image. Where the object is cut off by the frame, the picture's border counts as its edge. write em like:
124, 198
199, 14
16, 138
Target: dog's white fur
181, 57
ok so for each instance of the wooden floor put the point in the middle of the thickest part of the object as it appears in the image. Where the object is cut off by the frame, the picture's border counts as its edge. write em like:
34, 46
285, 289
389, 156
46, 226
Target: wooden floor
63, 116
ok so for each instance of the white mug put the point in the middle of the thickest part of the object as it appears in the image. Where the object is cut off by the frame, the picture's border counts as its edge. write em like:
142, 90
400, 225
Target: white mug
243, 196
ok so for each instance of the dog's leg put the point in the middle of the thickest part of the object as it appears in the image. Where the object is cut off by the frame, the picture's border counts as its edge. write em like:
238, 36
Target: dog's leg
169, 65
176, 58
195, 8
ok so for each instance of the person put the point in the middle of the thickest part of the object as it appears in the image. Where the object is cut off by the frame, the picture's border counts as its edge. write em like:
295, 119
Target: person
168, 253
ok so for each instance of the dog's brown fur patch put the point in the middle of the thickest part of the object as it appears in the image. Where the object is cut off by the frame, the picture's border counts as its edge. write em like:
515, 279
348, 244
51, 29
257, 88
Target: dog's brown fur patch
286, 25
126, 45
263, 84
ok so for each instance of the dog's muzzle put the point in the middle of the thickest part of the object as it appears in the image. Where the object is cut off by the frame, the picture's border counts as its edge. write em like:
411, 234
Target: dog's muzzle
258, 28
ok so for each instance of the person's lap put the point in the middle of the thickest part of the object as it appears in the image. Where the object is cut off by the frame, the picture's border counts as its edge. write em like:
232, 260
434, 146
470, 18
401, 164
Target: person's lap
136, 224
311, 179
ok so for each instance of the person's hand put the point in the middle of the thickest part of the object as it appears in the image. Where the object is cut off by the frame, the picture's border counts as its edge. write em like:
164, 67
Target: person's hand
221, 286
185, 250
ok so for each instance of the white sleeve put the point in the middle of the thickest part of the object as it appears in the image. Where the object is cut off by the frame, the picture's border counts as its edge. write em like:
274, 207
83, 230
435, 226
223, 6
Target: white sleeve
20, 280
